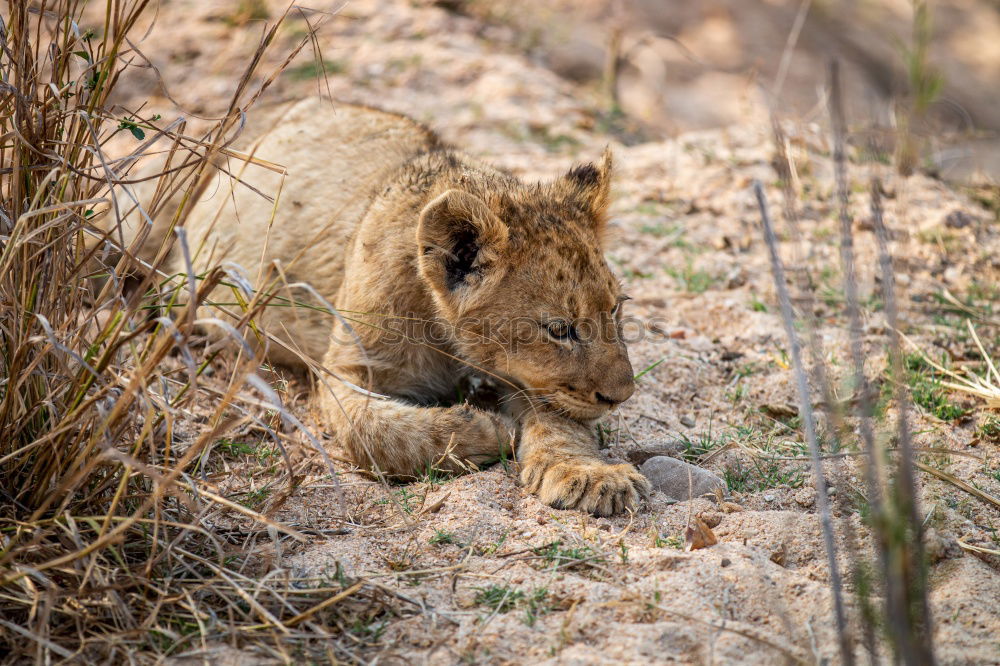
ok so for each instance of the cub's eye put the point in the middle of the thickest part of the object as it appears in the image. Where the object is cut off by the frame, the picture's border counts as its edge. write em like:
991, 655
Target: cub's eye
618, 306
560, 330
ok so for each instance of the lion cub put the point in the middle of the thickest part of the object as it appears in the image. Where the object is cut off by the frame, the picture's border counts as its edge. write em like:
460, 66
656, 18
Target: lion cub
439, 268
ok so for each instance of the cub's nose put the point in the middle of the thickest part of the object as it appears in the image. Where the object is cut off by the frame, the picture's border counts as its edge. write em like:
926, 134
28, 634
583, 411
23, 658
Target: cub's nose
614, 395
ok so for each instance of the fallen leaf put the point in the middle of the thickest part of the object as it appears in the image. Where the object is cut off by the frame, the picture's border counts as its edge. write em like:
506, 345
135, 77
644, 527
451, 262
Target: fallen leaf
699, 535
711, 519
780, 411
436, 506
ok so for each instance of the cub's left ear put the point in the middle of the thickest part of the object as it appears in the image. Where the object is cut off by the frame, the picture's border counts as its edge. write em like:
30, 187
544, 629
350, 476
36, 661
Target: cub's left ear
459, 239
591, 186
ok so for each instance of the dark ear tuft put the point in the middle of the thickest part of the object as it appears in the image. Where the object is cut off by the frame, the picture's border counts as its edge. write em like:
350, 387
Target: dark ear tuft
590, 187
584, 176
458, 238
460, 260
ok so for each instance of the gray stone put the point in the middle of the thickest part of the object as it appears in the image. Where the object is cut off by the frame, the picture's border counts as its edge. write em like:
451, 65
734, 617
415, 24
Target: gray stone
941, 545
688, 421
805, 496
958, 219
678, 479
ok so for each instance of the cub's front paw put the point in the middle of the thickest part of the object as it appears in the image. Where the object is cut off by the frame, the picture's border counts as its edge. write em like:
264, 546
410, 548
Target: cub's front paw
591, 486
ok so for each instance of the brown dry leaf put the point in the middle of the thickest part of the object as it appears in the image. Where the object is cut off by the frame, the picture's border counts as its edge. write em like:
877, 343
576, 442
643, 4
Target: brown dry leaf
436, 506
699, 535
711, 518
399, 559
780, 411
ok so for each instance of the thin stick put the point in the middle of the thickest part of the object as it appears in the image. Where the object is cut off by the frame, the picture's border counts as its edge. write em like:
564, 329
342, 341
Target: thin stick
851, 287
873, 472
958, 483
922, 647
790, 42
808, 422
305, 615
977, 549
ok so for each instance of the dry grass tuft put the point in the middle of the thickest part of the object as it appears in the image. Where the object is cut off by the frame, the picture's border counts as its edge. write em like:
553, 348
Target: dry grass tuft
986, 388
891, 592
110, 547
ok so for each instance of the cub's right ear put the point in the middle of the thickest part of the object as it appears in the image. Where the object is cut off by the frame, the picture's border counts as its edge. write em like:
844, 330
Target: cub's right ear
458, 239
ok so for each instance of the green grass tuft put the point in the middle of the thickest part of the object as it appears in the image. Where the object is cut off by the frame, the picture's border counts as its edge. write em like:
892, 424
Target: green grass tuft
314, 69
556, 554
443, 537
498, 598
927, 392
989, 429
691, 280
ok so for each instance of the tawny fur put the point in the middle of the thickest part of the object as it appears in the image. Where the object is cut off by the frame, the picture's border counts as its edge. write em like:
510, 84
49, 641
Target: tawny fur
444, 268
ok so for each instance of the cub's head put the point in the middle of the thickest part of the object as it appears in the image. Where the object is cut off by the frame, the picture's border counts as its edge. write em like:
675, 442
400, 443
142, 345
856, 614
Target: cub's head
519, 273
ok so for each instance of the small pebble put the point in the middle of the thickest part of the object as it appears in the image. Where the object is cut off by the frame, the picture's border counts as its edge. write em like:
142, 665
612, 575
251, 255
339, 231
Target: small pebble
958, 219
768, 498
805, 496
940, 546
688, 421
725, 562
680, 480
831, 491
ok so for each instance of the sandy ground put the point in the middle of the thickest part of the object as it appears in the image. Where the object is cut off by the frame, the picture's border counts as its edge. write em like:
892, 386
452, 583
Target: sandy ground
690, 252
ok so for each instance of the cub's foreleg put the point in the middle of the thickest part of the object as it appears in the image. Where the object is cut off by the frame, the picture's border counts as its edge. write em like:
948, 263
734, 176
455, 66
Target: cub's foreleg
560, 462
404, 440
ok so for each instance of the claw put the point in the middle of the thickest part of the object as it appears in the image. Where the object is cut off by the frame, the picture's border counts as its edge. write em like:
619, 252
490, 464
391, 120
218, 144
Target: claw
597, 488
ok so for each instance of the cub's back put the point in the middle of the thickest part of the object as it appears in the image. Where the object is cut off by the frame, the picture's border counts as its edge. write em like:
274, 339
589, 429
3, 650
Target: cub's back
337, 157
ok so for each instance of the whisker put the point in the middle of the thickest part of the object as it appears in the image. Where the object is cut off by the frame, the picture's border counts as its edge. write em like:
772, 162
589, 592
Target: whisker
524, 393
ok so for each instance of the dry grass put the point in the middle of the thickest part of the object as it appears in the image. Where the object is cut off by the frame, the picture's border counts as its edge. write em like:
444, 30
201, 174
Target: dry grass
892, 590
986, 388
110, 546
